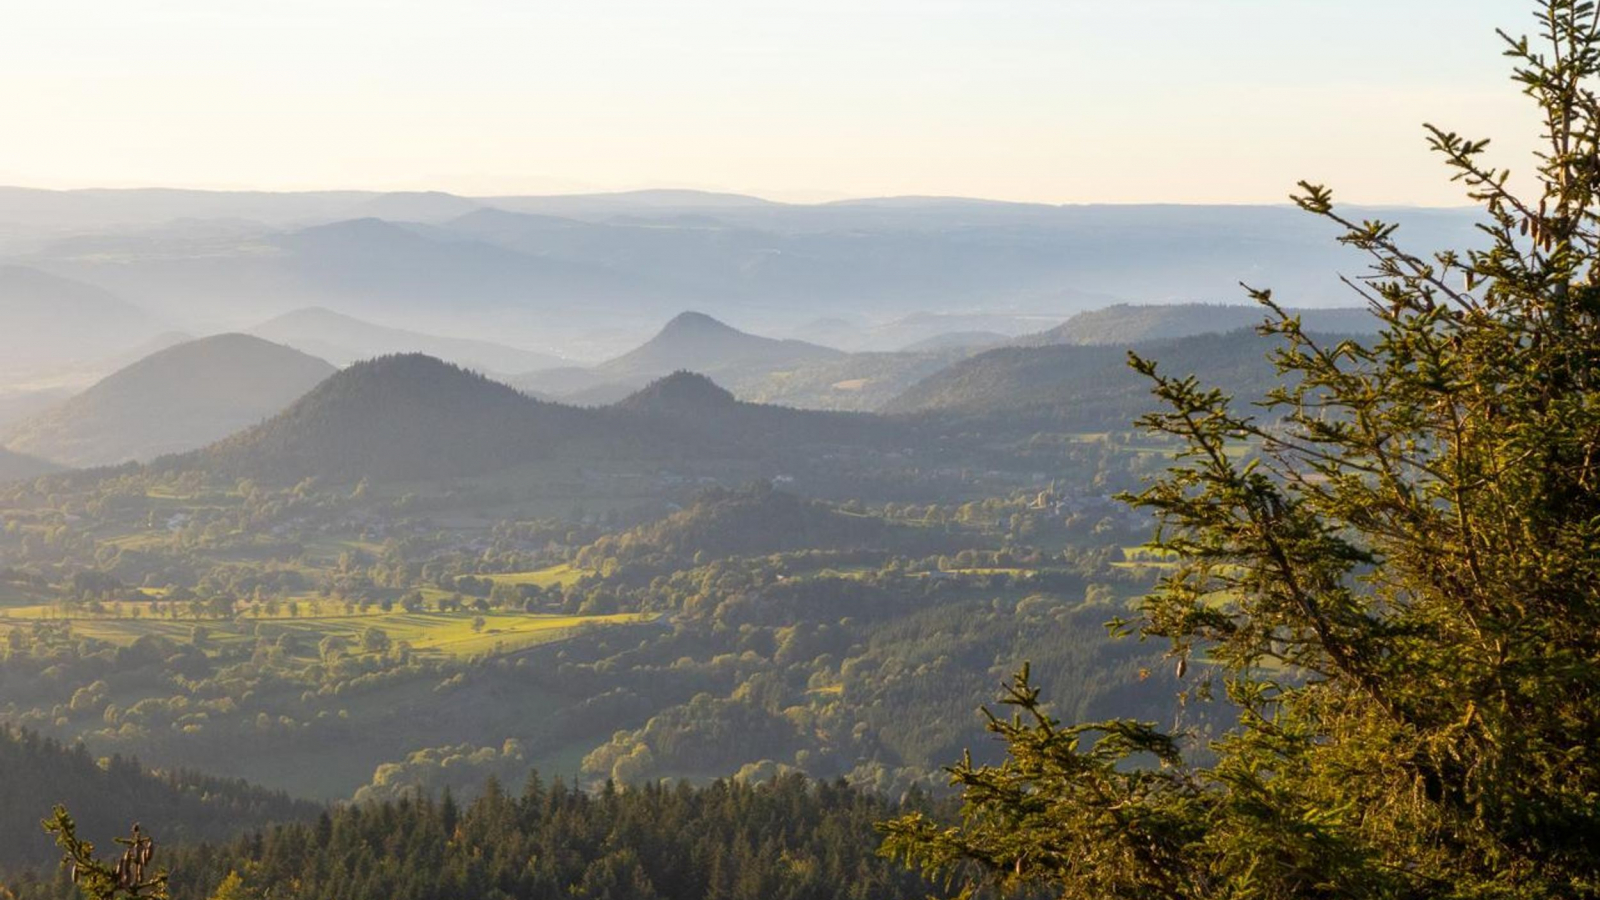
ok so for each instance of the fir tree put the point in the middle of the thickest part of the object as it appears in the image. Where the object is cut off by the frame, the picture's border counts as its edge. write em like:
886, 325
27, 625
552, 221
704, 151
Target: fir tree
1391, 568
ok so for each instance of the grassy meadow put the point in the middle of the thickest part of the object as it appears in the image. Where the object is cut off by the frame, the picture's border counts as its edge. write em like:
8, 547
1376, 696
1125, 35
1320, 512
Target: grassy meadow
445, 633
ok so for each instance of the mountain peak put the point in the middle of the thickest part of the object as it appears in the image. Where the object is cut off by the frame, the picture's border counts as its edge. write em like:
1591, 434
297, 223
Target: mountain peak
412, 369
696, 323
398, 416
691, 342
682, 391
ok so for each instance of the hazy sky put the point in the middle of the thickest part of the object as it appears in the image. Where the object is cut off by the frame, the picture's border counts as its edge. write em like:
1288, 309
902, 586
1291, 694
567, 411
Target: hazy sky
1058, 101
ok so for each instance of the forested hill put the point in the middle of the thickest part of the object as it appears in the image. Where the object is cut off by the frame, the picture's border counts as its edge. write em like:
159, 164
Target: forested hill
1125, 323
413, 416
37, 773
399, 417
179, 399
756, 520
786, 839
1087, 388
682, 392
701, 415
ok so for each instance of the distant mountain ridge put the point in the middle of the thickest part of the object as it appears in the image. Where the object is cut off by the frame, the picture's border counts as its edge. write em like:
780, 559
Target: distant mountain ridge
365, 267
177, 399
691, 341
121, 207
694, 338
47, 320
342, 339
1086, 387
1125, 323
520, 269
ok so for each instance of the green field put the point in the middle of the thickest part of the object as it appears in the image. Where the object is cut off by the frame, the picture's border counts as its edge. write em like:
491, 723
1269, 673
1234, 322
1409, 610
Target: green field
448, 634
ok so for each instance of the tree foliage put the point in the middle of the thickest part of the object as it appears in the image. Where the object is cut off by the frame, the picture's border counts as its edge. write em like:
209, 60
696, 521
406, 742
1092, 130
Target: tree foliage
132, 877
1398, 589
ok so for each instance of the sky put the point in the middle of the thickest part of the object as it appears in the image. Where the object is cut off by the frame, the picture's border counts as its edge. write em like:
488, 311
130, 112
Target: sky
1058, 101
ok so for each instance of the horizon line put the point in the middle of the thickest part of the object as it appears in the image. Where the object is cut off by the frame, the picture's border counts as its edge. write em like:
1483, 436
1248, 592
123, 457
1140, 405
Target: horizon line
708, 192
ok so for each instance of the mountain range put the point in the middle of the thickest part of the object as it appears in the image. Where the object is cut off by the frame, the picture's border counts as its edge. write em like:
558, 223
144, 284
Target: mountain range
415, 417
48, 322
184, 397
580, 271
188, 396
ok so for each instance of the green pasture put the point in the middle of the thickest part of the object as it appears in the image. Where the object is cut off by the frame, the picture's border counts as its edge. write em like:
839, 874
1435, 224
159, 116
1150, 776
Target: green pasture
449, 634
558, 575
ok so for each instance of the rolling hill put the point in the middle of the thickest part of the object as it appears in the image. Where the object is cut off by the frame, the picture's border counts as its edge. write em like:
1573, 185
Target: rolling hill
753, 521
1127, 324
105, 799
691, 413
175, 400
342, 340
691, 341
47, 321
1088, 387
682, 392
413, 417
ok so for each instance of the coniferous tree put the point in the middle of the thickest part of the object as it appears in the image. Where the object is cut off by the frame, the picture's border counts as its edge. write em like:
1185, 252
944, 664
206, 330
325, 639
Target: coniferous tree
1391, 569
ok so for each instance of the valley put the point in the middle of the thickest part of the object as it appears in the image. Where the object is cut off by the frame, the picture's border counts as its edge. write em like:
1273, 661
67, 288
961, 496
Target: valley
379, 574
841, 451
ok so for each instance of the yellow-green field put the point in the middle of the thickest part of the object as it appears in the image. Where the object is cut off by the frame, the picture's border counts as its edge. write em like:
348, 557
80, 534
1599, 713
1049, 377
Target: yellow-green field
1146, 558
560, 576
450, 634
